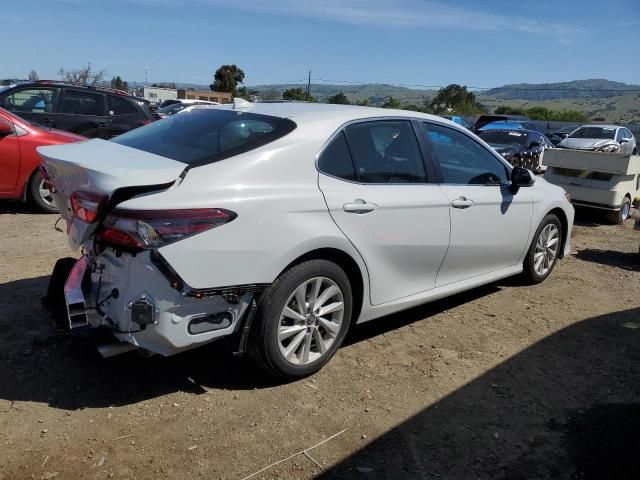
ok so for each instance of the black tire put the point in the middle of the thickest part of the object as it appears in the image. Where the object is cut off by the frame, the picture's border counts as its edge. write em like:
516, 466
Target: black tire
263, 344
34, 195
529, 273
618, 217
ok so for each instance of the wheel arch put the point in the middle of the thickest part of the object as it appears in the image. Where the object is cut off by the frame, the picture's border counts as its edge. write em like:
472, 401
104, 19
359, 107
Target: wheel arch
562, 216
347, 263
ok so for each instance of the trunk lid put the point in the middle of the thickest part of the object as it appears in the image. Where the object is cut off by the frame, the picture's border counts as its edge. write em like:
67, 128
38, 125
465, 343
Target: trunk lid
105, 168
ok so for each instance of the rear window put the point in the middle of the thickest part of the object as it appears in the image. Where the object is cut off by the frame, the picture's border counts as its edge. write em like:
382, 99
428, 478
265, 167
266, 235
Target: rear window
203, 136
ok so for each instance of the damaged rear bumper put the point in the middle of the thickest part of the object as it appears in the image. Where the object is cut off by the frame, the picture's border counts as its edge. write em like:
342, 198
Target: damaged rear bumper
140, 299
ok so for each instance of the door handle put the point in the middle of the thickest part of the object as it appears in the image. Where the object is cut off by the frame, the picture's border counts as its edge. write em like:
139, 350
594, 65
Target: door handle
462, 202
359, 206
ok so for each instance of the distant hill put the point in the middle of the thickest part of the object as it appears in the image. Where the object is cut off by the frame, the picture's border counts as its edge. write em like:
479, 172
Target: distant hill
375, 93
595, 88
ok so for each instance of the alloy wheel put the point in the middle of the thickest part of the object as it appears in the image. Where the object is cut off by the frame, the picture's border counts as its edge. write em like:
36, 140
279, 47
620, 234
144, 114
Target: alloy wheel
45, 195
546, 249
310, 321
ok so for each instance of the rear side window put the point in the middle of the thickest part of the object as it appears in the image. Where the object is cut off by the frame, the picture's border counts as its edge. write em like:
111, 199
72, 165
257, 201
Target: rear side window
79, 102
336, 160
386, 152
203, 136
120, 106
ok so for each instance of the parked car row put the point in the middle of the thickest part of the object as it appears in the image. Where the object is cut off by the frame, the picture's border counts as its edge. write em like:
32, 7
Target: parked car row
88, 111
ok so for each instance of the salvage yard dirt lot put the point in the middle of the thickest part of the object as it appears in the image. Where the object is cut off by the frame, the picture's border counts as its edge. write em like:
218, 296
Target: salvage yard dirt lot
505, 381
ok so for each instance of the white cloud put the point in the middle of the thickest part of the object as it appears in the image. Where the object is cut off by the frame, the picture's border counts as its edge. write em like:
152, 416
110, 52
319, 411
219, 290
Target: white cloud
398, 13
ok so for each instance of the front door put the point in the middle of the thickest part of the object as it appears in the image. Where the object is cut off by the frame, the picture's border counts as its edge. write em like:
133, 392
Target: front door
384, 200
490, 226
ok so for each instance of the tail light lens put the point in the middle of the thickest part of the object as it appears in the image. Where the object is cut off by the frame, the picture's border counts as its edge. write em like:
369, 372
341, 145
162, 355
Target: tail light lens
156, 228
85, 205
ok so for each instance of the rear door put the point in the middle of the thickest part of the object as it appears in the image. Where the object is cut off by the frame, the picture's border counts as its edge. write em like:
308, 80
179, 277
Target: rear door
84, 112
9, 159
489, 225
35, 104
124, 115
385, 201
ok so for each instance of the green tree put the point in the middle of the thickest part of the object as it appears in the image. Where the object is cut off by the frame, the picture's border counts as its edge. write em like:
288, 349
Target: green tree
455, 98
391, 102
363, 103
339, 98
298, 94
227, 78
118, 83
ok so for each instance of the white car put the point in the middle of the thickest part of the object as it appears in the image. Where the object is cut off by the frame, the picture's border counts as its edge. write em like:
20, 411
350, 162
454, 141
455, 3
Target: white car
601, 138
285, 223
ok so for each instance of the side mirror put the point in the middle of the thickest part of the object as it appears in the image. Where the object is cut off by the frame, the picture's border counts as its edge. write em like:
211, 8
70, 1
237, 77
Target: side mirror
624, 140
5, 128
521, 177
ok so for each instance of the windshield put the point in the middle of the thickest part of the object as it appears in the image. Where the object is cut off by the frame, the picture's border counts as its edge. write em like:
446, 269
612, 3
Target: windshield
504, 138
203, 136
607, 133
171, 109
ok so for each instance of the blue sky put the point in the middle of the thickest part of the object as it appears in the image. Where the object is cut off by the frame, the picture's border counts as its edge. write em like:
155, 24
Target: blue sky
478, 43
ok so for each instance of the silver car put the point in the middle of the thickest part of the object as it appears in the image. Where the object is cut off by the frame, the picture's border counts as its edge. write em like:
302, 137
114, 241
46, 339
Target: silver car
601, 138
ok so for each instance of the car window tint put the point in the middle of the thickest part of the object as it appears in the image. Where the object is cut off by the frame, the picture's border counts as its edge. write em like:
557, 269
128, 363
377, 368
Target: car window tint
80, 102
463, 161
202, 136
335, 159
30, 100
385, 152
120, 106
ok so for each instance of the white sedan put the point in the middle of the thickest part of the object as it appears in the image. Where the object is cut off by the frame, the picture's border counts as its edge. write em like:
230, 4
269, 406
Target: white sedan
285, 223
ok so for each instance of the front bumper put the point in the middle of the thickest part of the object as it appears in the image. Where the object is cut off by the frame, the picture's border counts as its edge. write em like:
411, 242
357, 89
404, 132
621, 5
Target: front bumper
130, 295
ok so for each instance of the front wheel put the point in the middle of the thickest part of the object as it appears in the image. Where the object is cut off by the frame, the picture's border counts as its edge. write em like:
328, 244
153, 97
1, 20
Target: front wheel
302, 319
40, 195
544, 250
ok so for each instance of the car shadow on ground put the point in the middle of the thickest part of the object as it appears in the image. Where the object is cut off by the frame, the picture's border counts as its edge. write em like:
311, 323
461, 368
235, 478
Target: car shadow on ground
45, 364
566, 407
624, 260
13, 207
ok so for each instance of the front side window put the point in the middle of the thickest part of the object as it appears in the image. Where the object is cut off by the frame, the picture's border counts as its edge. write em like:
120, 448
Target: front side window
462, 160
120, 106
385, 152
79, 102
30, 100
202, 136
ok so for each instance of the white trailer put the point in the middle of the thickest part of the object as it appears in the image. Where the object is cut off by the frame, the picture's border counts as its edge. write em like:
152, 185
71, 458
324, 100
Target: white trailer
605, 181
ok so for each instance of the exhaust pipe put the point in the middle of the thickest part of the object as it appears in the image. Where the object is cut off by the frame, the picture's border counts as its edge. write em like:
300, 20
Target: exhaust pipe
112, 349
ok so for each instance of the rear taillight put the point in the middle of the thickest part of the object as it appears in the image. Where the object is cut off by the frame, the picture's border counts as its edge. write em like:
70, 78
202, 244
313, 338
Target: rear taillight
85, 205
156, 228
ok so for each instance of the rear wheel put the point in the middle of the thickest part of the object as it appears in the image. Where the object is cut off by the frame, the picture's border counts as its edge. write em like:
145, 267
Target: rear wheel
302, 320
39, 194
621, 215
544, 250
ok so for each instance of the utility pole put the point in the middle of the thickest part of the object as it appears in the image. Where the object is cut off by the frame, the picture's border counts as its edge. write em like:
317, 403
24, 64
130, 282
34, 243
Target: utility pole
309, 84
146, 75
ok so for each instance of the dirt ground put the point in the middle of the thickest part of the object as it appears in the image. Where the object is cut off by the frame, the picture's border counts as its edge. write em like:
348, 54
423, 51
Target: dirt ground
505, 381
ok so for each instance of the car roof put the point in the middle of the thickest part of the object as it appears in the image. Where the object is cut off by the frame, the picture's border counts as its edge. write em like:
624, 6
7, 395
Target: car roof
508, 130
307, 112
62, 84
599, 125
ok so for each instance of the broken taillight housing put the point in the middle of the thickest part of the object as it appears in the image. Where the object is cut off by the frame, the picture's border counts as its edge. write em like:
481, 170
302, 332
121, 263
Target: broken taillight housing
149, 229
85, 205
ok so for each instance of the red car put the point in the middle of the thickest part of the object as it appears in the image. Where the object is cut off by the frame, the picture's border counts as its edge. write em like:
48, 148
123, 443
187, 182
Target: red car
19, 161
